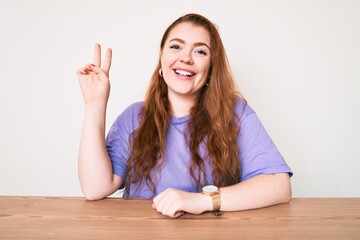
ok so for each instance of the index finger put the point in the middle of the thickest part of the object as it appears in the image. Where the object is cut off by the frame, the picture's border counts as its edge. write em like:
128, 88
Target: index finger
107, 61
97, 55
157, 199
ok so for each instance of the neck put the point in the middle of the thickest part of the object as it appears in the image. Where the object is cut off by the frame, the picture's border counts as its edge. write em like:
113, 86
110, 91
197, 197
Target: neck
181, 106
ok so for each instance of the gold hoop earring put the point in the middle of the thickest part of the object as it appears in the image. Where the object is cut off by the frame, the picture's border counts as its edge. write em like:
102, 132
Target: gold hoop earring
160, 72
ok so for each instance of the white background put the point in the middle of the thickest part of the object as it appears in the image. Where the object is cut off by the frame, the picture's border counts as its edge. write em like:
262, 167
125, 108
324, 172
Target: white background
296, 62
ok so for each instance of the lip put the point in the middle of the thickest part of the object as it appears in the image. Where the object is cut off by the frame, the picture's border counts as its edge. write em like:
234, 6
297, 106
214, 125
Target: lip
185, 70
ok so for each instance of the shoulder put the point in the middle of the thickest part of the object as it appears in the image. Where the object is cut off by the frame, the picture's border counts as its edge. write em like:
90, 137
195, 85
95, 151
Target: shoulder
130, 116
134, 108
131, 111
242, 108
126, 122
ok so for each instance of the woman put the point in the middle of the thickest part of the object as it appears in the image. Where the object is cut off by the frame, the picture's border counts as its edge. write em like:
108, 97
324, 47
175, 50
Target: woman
192, 130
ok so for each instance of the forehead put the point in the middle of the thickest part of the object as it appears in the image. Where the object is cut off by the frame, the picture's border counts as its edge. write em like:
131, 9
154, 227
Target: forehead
190, 33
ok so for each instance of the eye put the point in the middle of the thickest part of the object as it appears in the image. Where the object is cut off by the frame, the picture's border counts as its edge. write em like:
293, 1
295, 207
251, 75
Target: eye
202, 52
175, 46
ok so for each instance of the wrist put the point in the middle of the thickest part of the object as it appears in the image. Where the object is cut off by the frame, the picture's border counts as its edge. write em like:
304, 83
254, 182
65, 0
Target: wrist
206, 202
96, 105
95, 108
213, 193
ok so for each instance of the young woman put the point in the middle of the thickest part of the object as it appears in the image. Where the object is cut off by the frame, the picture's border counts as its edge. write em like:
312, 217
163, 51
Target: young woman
192, 130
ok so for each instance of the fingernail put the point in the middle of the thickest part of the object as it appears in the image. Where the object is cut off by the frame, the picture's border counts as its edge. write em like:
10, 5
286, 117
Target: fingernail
86, 71
92, 65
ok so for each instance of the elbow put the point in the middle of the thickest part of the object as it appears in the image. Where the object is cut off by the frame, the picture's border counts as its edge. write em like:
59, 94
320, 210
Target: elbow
285, 185
287, 197
92, 196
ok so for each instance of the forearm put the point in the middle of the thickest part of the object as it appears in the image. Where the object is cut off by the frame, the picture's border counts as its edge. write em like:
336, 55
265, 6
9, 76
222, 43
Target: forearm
256, 192
95, 170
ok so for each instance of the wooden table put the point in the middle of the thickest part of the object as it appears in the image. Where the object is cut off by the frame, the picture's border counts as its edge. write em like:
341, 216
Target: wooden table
76, 218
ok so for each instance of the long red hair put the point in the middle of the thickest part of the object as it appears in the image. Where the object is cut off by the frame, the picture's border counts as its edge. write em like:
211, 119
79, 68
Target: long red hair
213, 121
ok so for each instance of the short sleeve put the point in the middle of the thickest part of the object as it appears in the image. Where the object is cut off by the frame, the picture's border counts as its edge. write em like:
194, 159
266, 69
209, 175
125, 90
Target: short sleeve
258, 153
117, 140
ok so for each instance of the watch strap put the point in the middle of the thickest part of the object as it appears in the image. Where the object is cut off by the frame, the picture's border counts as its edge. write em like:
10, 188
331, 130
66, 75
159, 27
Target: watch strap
215, 196
216, 201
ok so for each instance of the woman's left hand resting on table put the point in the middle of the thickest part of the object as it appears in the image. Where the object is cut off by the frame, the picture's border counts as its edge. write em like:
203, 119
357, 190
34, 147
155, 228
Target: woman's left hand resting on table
256, 192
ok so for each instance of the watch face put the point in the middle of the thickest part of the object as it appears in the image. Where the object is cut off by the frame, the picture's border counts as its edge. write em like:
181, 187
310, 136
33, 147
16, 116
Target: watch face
210, 188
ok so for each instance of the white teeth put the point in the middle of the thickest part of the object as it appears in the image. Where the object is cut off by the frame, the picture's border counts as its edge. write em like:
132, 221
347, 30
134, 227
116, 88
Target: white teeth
183, 73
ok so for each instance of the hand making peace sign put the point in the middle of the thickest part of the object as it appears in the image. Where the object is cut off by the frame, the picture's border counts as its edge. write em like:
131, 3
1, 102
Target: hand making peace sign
94, 78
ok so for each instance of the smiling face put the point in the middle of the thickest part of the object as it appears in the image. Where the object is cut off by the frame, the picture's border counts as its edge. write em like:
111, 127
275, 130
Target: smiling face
185, 61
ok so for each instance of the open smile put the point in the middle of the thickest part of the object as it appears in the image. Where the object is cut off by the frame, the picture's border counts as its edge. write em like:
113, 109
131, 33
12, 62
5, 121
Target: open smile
183, 72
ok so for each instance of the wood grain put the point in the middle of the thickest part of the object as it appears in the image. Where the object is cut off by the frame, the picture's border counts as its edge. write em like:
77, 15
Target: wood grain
76, 218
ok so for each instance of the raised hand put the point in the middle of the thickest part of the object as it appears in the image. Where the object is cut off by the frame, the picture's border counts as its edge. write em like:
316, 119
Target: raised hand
94, 78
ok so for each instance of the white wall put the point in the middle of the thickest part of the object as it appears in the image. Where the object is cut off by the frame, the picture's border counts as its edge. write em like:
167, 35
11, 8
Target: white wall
297, 63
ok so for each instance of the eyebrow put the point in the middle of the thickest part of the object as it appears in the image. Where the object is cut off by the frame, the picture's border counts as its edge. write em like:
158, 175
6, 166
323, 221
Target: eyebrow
195, 44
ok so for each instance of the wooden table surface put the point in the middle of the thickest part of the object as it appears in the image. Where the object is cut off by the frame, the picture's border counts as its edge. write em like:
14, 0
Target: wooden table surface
116, 218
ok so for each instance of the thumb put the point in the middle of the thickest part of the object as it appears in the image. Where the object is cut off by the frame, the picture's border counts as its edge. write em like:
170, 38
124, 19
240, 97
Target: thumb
178, 214
100, 73
95, 69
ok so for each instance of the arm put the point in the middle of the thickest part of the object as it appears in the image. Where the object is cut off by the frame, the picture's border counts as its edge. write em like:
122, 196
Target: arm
256, 192
94, 166
258, 155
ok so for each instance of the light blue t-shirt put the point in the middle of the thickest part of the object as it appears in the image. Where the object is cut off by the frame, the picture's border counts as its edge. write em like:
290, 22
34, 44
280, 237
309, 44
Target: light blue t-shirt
258, 154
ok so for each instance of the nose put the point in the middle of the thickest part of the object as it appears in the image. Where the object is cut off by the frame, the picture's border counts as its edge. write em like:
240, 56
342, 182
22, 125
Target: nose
186, 58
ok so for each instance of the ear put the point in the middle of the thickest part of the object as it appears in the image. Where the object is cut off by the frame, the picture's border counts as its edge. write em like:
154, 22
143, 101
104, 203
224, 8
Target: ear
160, 54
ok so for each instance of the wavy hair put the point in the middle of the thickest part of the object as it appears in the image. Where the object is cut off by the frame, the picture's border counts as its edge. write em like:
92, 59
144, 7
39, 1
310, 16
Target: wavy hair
213, 121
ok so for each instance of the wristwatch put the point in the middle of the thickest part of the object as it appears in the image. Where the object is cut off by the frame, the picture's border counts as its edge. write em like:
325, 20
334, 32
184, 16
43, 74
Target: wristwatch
214, 193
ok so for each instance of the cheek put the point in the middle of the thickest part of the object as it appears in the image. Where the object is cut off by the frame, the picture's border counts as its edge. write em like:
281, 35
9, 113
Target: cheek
167, 58
166, 67
206, 68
